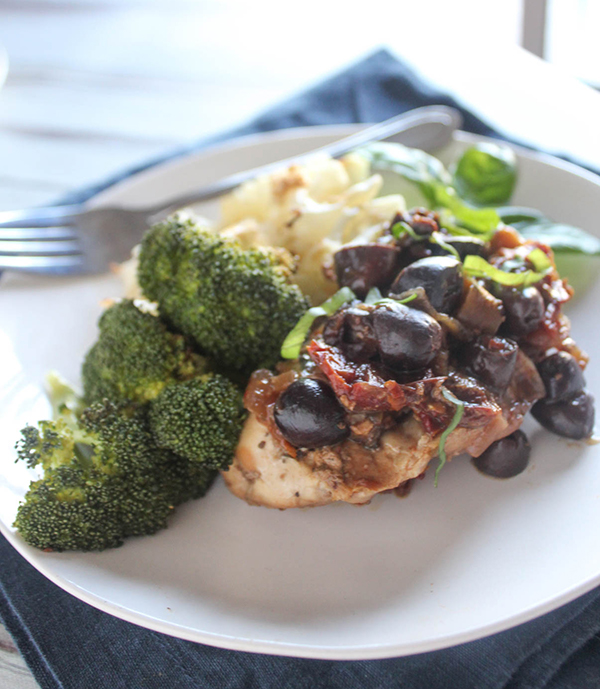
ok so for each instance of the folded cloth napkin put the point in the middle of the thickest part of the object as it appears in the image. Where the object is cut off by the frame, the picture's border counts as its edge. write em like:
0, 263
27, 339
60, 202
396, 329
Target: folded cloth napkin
70, 645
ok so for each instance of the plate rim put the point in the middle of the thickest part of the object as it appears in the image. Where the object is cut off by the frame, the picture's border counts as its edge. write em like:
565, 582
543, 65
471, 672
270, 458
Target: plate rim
306, 132
273, 647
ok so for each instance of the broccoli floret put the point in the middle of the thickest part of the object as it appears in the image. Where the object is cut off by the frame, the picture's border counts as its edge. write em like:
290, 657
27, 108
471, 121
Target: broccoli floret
71, 509
200, 420
62, 396
135, 356
104, 480
238, 305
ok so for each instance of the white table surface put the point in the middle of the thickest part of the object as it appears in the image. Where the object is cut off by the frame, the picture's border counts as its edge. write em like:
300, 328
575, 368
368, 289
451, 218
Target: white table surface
95, 85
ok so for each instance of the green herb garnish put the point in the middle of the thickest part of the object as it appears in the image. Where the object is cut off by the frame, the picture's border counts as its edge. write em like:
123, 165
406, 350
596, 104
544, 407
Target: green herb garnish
479, 221
290, 349
478, 267
401, 228
485, 174
539, 260
458, 414
435, 184
438, 238
373, 296
388, 300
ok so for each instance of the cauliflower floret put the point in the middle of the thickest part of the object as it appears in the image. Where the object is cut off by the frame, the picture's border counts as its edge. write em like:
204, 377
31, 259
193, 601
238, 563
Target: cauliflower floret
311, 210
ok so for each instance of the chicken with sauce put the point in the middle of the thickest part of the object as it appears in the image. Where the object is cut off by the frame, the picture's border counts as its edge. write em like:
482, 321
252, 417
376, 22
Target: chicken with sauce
426, 359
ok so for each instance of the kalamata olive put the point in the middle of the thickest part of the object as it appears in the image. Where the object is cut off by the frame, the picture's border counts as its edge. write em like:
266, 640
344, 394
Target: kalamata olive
492, 360
506, 457
572, 418
524, 309
562, 376
407, 338
440, 277
364, 266
359, 340
423, 221
308, 414
351, 329
468, 246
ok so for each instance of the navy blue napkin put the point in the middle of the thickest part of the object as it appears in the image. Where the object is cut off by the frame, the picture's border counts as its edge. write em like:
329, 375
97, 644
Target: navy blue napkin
70, 645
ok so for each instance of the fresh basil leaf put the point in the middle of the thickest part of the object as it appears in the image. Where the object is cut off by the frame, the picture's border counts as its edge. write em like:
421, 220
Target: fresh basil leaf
458, 414
513, 214
560, 237
478, 267
411, 163
292, 345
485, 174
481, 221
434, 182
539, 260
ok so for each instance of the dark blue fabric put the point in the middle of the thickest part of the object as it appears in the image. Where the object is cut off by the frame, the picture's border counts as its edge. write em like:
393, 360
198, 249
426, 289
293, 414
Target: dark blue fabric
70, 645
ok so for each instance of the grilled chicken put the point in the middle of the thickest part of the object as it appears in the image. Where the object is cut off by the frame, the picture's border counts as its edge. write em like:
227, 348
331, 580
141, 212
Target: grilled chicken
264, 473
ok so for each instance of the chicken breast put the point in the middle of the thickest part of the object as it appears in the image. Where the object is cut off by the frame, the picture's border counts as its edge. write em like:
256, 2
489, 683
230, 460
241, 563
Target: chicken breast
263, 473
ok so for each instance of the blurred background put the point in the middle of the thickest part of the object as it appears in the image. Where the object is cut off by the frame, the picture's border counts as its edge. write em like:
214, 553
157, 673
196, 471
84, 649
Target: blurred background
95, 85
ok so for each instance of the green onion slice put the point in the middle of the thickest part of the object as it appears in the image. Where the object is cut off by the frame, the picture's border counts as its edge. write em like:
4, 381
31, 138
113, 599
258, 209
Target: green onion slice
290, 349
458, 414
478, 267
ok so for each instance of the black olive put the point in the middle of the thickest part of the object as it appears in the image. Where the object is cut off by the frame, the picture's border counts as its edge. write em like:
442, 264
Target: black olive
364, 266
492, 360
424, 222
524, 309
440, 276
506, 457
572, 418
308, 414
407, 338
359, 340
468, 246
333, 330
562, 376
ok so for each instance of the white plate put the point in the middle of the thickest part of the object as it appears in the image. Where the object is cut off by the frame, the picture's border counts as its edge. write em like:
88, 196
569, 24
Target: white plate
443, 566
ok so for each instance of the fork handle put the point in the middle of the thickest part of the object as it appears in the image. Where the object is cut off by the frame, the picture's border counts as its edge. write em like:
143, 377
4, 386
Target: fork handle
428, 127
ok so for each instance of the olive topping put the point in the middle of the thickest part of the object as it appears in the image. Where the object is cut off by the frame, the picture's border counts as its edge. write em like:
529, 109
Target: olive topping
441, 278
492, 360
506, 457
524, 309
572, 418
364, 266
562, 376
407, 338
308, 414
468, 246
424, 222
359, 340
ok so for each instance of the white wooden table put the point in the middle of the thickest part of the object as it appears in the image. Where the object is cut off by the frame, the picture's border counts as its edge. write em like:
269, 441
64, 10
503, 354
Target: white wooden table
96, 85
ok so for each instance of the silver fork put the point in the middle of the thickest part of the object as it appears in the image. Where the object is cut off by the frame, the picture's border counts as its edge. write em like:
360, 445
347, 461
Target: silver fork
75, 239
